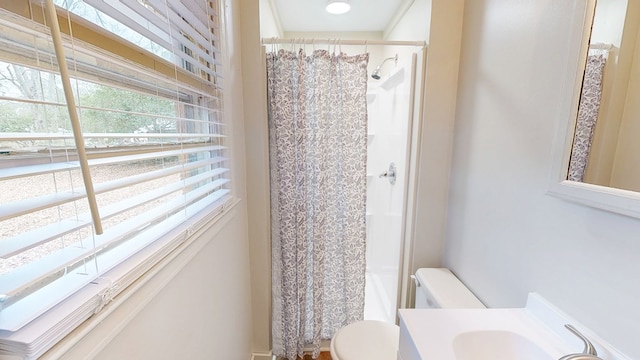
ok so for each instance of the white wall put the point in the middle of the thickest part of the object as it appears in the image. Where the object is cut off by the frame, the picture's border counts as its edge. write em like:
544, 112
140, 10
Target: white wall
414, 25
439, 23
505, 236
269, 22
608, 22
388, 108
191, 309
203, 313
198, 306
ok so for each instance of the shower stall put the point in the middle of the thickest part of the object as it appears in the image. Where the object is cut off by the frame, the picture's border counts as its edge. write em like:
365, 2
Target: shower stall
391, 99
394, 93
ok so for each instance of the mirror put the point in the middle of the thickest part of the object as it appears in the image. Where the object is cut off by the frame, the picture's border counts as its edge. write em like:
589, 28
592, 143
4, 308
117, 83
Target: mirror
605, 149
597, 152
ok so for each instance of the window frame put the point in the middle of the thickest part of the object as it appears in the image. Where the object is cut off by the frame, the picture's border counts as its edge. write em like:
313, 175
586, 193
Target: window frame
91, 298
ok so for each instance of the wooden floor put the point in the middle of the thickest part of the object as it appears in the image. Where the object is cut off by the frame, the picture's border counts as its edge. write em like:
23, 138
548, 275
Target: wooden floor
323, 356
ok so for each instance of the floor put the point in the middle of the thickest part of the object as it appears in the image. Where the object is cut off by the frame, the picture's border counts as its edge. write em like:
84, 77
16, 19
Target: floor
323, 356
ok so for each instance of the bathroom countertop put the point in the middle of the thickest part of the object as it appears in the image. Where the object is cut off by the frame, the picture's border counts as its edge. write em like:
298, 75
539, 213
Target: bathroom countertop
535, 332
433, 333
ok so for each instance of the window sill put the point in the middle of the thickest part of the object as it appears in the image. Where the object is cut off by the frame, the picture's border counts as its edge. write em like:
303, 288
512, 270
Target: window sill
80, 313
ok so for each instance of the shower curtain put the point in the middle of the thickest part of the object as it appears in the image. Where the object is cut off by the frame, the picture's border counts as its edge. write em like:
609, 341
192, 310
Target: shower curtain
318, 143
587, 116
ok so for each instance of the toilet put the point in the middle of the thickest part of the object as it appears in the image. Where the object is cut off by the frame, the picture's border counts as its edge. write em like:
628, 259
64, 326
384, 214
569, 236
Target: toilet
378, 340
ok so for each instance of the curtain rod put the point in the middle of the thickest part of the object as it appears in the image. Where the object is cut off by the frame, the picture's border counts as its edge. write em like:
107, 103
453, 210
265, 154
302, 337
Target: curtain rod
269, 41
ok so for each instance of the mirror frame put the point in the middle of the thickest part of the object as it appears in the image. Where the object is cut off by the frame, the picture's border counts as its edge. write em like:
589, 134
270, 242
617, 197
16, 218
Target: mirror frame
615, 200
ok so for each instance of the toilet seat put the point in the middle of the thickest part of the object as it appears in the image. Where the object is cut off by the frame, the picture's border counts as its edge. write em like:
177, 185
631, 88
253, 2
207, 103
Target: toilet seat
367, 339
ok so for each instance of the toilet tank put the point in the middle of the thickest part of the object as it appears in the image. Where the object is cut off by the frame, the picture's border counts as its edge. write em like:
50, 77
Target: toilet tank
439, 288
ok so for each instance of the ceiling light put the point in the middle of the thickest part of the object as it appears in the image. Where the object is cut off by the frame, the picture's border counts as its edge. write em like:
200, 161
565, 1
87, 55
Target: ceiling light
338, 6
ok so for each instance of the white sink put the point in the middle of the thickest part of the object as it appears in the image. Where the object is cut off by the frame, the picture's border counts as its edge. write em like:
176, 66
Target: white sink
535, 332
496, 344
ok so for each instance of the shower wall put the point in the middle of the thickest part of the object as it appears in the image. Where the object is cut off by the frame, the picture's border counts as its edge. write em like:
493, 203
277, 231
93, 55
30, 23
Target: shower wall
388, 110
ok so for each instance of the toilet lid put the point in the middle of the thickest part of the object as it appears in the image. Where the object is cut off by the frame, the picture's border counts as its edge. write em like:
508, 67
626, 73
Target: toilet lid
369, 339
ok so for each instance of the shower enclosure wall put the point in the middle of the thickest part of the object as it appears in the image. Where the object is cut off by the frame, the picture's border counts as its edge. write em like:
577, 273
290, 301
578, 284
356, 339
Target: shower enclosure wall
389, 110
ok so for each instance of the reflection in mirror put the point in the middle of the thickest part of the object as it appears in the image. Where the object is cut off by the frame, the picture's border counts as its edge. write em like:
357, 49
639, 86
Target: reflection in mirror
606, 144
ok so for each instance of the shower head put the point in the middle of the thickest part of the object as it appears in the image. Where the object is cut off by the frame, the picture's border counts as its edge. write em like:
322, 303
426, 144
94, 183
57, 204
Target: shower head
376, 73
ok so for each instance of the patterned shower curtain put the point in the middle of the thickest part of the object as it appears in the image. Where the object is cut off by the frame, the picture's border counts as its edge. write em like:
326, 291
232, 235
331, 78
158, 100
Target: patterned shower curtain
588, 109
318, 143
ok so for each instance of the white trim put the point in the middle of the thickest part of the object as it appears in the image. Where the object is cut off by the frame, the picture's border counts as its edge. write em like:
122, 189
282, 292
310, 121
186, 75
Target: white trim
402, 10
276, 17
262, 356
413, 162
619, 201
624, 202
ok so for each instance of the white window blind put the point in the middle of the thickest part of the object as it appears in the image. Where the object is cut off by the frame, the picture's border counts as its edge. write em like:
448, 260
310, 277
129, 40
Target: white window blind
155, 139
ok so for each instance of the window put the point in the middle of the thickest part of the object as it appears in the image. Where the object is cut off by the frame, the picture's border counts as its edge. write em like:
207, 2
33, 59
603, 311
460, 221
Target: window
147, 93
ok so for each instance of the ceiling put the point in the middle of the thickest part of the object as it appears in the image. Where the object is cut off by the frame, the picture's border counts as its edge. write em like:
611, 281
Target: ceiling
310, 15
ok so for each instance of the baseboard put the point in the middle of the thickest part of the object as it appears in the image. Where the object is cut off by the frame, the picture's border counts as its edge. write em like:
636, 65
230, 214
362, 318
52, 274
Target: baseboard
324, 346
262, 357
